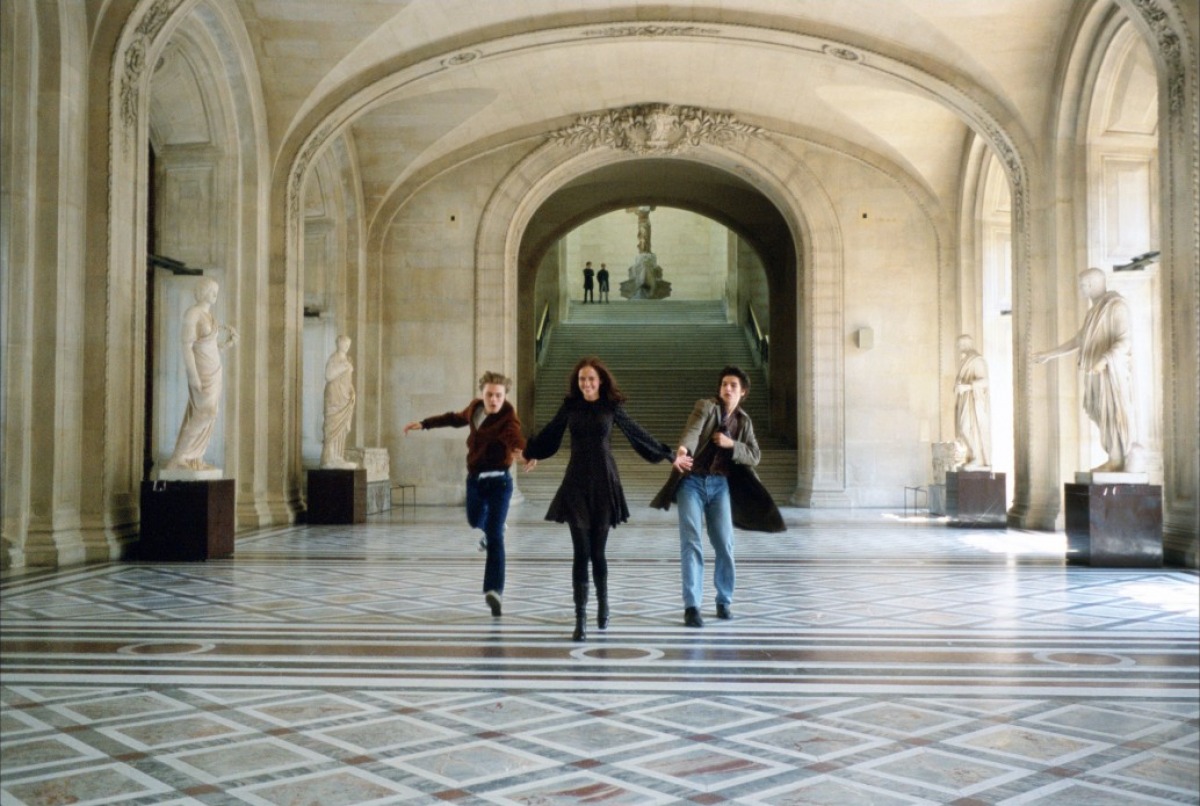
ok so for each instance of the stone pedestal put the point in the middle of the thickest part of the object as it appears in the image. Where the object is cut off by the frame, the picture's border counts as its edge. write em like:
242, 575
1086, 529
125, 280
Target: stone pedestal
377, 463
186, 520
1114, 525
379, 497
937, 499
337, 496
976, 498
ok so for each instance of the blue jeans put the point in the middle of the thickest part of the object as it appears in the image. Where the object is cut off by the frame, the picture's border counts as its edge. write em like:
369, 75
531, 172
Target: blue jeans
487, 509
707, 498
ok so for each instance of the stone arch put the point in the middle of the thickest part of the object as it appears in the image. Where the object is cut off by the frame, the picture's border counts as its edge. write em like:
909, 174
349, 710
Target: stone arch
986, 294
332, 283
323, 121
1168, 33
139, 44
817, 244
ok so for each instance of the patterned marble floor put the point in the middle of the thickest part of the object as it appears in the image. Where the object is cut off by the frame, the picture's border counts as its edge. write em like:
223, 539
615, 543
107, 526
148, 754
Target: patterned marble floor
873, 659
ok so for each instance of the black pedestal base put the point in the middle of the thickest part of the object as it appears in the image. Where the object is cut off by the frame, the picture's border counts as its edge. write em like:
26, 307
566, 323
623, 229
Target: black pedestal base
337, 496
186, 520
976, 498
1114, 525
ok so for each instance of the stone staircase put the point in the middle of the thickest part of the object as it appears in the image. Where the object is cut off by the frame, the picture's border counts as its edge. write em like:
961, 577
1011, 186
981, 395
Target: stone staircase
665, 355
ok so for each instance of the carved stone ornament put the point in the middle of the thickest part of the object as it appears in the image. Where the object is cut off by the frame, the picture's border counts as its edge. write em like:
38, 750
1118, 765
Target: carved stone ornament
654, 129
134, 59
1172, 52
845, 54
652, 31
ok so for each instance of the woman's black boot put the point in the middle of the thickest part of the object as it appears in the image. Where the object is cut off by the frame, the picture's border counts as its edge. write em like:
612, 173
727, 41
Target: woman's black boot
602, 605
581, 597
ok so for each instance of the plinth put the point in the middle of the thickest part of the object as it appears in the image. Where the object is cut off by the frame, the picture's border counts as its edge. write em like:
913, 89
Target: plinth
186, 520
976, 498
1113, 524
337, 496
937, 499
377, 463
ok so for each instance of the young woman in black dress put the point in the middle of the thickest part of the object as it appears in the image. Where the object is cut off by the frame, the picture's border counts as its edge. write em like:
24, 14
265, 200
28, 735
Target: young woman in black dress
590, 499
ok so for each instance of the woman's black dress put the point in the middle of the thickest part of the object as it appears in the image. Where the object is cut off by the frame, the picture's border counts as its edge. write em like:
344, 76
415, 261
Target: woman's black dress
590, 496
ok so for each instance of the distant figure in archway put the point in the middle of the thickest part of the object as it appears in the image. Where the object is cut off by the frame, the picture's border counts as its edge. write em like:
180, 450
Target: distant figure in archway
602, 279
588, 273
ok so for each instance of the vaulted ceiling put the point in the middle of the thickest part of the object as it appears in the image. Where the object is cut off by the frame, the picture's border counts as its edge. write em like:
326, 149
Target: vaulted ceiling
423, 85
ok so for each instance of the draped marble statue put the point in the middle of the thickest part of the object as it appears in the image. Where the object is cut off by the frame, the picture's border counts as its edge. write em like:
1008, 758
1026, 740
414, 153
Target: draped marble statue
203, 339
339, 407
645, 275
972, 407
1106, 359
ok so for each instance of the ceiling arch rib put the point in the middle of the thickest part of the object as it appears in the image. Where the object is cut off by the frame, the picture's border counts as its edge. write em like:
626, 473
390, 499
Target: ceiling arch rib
507, 119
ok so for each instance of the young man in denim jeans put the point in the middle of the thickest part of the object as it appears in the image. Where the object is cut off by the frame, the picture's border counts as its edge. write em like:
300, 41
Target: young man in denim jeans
713, 481
493, 442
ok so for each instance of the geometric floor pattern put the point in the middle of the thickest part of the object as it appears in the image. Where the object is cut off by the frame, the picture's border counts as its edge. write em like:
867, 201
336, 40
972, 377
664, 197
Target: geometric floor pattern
873, 659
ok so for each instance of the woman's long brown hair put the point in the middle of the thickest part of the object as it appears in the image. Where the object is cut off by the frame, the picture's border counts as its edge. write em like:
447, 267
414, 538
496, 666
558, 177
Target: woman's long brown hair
609, 391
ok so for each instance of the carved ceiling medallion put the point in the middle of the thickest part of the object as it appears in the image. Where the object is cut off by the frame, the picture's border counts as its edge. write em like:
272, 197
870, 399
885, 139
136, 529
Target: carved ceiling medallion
654, 129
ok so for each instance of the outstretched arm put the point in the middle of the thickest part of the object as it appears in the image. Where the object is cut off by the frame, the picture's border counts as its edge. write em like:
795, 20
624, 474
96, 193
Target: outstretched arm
546, 442
643, 443
1066, 348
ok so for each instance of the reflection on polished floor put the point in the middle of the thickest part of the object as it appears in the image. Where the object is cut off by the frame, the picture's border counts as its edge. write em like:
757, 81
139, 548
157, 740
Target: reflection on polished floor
872, 659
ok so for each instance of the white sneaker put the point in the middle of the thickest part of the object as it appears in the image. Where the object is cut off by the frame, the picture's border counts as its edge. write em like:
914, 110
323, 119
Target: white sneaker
493, 600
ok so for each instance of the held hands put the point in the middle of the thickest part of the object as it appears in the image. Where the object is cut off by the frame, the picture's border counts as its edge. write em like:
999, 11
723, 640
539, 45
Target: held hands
682, 462
527, 465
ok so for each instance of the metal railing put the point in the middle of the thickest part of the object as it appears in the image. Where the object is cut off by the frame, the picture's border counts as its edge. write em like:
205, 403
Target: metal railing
762, 341
543, 329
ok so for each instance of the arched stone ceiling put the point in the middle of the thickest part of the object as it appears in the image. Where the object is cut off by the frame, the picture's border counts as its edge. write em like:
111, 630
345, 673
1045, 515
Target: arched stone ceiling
423, 85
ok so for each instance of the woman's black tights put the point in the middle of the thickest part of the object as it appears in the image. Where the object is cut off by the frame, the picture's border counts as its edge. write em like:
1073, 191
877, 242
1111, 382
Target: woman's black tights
589, 545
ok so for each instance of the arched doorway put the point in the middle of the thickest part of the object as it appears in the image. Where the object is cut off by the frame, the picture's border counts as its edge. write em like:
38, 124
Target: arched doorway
681, 184
803, 242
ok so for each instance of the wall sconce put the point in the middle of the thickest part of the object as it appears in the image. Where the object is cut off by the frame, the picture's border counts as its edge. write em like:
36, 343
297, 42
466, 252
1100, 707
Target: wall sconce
864, 338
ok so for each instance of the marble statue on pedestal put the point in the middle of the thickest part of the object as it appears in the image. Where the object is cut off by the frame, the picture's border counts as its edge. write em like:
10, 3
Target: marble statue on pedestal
1106, 358
645, 279
972, 407
339, 407
645, 275
203, 340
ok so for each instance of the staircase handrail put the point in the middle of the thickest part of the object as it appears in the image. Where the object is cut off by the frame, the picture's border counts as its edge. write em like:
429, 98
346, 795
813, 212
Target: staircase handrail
540, 340
762, 341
